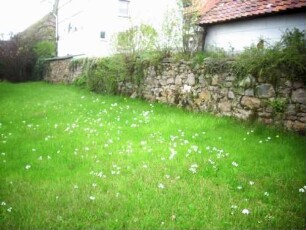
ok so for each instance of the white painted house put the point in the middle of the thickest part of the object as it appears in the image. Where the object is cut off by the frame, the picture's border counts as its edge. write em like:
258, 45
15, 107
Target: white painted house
236, 24
87, 27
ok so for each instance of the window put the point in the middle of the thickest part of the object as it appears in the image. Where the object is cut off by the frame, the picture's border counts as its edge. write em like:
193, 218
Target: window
102, 34
123, 9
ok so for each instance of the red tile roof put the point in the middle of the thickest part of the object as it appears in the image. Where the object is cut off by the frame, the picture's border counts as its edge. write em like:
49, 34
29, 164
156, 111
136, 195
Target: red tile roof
226, 10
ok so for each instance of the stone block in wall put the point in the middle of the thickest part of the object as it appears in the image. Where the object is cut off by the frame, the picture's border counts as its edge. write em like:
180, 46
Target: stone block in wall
247, 82
299, 96
225, 107
249, 92
298, 85
250, 102
288, 83
213, 88
266, 120
231, 95
202, 80
186, 89
215, 96
302, 117
162, 99
134, 95
292, 118
303, 108
265, 91
190, 79
171, 98
170, 81
204, 96
178, 80
162, 82
171, 73
215, 80
149, 97
269, 109
290, 110
151, 71
264, 115
299, 126
224, 92
208, 77
242, 114
198, 102
288, 124
284, 92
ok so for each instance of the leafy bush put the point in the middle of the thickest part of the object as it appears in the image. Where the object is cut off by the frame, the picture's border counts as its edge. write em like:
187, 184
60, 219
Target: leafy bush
17, 60
287, 57
105, 74
294, 50
211, 58
85, 64
44, 49
136, 39
40, 69
22, 58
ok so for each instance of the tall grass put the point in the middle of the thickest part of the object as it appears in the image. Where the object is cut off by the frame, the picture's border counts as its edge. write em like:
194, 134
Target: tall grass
71, 159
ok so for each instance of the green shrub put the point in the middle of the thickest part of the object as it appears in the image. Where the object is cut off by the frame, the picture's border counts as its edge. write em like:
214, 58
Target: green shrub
285, 58
294, 53
45, 49
85, 64
105, 74
42, 49
81, 81
215, 60
198, 58
136, 40
40, 69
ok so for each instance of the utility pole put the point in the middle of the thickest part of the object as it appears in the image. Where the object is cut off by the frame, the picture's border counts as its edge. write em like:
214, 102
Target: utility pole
55, 13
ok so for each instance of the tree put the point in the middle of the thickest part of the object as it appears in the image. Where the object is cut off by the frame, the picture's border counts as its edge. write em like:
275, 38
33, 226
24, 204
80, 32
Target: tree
136, 39
17, 59
44, 49
180, 31
171, 32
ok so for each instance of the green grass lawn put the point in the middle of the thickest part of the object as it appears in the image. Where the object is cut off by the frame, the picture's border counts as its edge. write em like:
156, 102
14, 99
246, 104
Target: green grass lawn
71, 159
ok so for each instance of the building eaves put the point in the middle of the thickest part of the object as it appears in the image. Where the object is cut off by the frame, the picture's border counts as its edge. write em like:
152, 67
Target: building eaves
227, 10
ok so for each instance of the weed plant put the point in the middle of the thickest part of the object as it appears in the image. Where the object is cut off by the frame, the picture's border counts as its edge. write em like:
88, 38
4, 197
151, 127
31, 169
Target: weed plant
71, 159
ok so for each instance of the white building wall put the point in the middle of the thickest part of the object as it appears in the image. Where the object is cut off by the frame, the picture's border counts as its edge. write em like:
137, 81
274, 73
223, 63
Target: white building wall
88, 18
238, 35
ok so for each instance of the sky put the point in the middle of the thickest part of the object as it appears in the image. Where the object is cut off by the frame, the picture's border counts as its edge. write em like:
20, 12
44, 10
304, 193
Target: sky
17, 15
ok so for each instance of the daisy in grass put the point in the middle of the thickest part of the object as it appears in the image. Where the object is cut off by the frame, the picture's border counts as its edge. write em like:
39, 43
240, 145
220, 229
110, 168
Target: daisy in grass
161, 186
245, 211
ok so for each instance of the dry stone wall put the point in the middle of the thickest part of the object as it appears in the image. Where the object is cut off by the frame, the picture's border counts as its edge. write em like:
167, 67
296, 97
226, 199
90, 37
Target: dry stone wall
281, 104
61, 70
181, 84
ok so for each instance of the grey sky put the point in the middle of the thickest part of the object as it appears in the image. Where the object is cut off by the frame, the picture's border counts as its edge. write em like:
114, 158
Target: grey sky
17, 15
